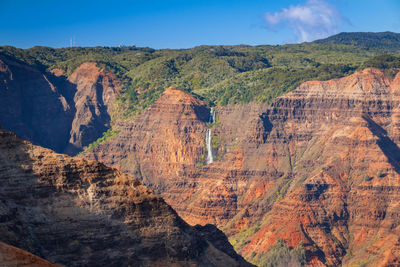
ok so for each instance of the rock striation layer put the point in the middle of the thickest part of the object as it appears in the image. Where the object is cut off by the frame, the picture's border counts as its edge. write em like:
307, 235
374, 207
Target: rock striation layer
320, 166
76, 212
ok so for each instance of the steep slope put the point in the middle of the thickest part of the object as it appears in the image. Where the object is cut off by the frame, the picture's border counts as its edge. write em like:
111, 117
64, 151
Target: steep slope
51, 110
319, 167
12, 256
32, 106
77, 212
163, 144
341, 200
96, 91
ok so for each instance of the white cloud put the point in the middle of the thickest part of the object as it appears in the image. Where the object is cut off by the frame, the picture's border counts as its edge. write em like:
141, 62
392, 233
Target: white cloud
314, 19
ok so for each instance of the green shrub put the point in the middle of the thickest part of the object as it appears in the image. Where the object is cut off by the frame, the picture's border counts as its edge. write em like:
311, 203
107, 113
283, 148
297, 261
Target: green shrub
368, 178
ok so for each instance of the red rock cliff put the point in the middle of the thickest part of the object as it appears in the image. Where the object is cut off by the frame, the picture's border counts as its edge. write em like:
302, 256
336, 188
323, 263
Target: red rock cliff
321, 166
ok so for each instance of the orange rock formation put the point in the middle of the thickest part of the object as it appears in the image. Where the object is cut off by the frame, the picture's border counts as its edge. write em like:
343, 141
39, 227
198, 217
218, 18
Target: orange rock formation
319, 166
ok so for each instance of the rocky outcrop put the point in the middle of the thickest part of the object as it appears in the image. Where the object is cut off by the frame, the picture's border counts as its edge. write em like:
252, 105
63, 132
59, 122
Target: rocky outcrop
96, 91
51, 110
76, 212
320, 166
12, 256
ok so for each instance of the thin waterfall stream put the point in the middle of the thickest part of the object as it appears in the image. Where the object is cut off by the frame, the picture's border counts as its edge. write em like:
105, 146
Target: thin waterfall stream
210, 158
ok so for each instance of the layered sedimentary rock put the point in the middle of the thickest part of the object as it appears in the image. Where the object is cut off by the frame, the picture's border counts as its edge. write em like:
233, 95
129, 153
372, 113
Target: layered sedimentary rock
76, 212
342, 201
55, 111
320, 166
164, 144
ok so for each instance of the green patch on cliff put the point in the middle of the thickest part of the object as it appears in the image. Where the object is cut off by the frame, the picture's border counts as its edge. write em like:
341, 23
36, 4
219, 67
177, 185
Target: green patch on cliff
280, 254
107, 136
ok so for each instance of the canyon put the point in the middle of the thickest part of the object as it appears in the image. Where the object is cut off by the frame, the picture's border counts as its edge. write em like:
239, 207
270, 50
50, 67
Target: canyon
318, 169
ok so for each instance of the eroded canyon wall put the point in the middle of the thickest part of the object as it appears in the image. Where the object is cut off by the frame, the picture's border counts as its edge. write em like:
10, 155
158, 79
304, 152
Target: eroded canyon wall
320, 166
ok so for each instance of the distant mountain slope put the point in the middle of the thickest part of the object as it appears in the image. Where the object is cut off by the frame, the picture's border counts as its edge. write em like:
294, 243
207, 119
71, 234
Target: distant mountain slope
76, 212
387, 41
219, 74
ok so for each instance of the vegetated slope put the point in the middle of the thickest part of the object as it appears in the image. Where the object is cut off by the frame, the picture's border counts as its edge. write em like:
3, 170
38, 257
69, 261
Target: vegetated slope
209, 71
319, 168
87, 80
77, 212
49, 109
388, 41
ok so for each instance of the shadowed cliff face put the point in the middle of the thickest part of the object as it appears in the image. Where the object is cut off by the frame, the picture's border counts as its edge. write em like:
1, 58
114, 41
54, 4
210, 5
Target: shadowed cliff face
32, 106
81, 213
96, 92
319, 166
53, 111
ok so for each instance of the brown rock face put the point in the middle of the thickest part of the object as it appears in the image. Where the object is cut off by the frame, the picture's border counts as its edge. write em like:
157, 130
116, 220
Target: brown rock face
320, 166
12, 256
151, 149
96, 91
53, 111
81, 213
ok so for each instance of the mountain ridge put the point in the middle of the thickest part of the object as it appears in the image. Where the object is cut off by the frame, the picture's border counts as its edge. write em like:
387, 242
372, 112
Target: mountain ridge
384, 40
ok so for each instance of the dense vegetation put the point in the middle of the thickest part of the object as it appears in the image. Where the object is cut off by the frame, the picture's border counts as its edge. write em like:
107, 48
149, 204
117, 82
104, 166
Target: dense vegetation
388, 63
385, 41
220, 74
280, 255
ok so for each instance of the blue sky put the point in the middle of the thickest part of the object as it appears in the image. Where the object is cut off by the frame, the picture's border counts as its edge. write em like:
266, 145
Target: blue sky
183, 24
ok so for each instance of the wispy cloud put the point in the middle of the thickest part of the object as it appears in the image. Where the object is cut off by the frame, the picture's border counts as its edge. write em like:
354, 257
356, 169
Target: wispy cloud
312, 20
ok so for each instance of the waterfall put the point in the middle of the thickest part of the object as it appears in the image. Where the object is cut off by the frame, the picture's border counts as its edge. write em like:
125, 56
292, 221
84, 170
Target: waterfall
212, 116
210, 158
